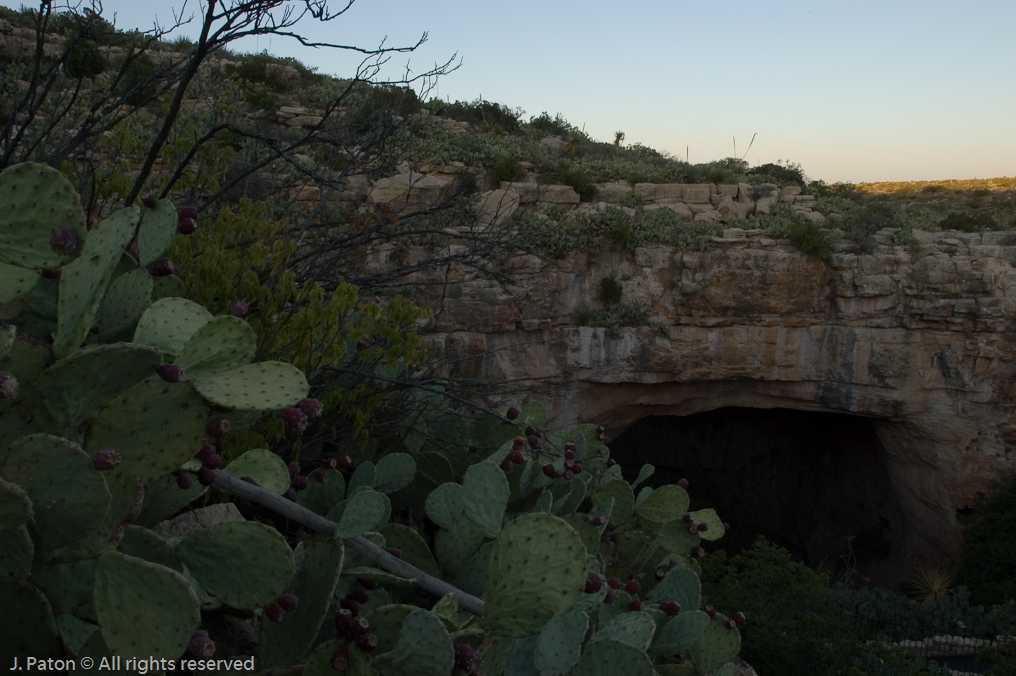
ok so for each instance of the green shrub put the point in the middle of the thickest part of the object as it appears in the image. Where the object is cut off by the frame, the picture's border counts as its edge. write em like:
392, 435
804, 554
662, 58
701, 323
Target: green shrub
872, 217
811, 239
968, 222
783, 173
568, 173
794, 627
610, 291
545, 125
137, 79
506, 168
988, 566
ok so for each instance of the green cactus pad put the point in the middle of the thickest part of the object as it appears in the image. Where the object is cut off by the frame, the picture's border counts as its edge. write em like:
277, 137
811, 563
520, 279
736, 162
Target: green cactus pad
589, 533
624, 500
645, 472
665, 504
570, 502
16, 552
68, 586
74, 631
709, 517
361, 513
262, 386
157, 232
76, 387
395, 471
681, 585
613, 658
386, 624
265, 467
538, 568
523, 659
244, 564
221, 345
142, 543
319, 662
675, 538
169, 323
559, 645
532, 413
37, 200
170, 286
674, 670
127, 492
318, 564
635, 629
716, 646
471, 575
15, 282
320, 497
413, 547
125, 301
155, 427
485, 494
444, 505
69, 498
143, 608
364, 475
424, 647
453, 546
29, 626
83, 282
680, 632
163, 498
15, 507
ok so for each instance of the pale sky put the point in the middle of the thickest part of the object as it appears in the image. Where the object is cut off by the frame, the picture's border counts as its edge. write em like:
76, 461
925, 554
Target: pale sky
853, 91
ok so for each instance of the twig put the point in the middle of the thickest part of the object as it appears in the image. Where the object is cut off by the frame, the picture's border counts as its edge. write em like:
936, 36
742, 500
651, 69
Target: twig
364, 547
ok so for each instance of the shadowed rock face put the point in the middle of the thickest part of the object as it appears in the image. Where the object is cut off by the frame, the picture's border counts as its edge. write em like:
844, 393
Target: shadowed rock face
920, 343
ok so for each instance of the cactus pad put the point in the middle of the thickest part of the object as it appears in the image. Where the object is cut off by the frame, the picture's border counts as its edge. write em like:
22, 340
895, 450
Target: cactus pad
169, 323
681, 585
15, 507
320, 497
125, 301
157, 232
709, 517
265, 467
560, 643
221, 345
413, 547
163, 498
16, 282
485, 494
680, 632
143, 608
538, 568
262, 386
361, 513
635, 629
716, 646
69, 498
83, 282
444, 504
454, 546
29, 626
76, 387
624, 500
395, 471
613, 658
36, 200
244, 564
424, 647
143, 543
318, 564
16, 552
155, 427
664, 504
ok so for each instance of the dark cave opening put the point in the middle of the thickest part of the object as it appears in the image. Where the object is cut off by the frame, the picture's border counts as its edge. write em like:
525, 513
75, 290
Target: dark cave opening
815, 483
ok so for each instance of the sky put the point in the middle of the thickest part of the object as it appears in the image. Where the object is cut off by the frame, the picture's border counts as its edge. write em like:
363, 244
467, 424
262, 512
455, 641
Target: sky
852, 91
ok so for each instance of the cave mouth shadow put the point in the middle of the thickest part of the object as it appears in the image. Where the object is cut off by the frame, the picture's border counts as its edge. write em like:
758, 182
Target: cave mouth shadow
815, 483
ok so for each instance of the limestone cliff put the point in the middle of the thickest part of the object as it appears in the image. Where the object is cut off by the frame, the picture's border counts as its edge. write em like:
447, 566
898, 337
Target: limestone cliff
920, 343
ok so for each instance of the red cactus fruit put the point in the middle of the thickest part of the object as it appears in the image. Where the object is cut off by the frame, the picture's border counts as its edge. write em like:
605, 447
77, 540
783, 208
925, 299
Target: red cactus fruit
218, 428
632, 587
106, 459
670, 607
295, 419
512, 413
171, 373
206, 476
52, 273
184, 480
149, 201
287, 602
593, 583
63, 241
312, 407
187, 226
201, 645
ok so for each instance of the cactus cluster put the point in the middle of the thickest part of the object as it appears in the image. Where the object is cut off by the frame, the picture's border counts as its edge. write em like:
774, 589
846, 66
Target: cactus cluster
116, 399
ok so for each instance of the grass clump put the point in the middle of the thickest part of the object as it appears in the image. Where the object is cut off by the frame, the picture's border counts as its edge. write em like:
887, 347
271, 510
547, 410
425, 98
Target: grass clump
988, 566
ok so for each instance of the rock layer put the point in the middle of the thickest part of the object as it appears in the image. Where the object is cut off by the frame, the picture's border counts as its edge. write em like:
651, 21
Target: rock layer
920, 342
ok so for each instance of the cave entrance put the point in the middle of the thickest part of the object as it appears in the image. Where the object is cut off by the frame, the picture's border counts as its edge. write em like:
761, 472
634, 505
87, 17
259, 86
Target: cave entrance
815, 483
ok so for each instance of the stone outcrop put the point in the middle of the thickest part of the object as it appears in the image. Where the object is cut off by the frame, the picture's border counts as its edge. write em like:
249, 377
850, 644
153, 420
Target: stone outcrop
921, 344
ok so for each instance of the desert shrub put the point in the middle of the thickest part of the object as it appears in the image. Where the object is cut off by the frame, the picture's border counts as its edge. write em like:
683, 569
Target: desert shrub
695, 236
794, 625
967, 221
610, 291
933, 188
633, 200
506, 168
137, 79
480, 113
544, 125
988, 566
568, 173
782, 173
872, 217
811, 239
